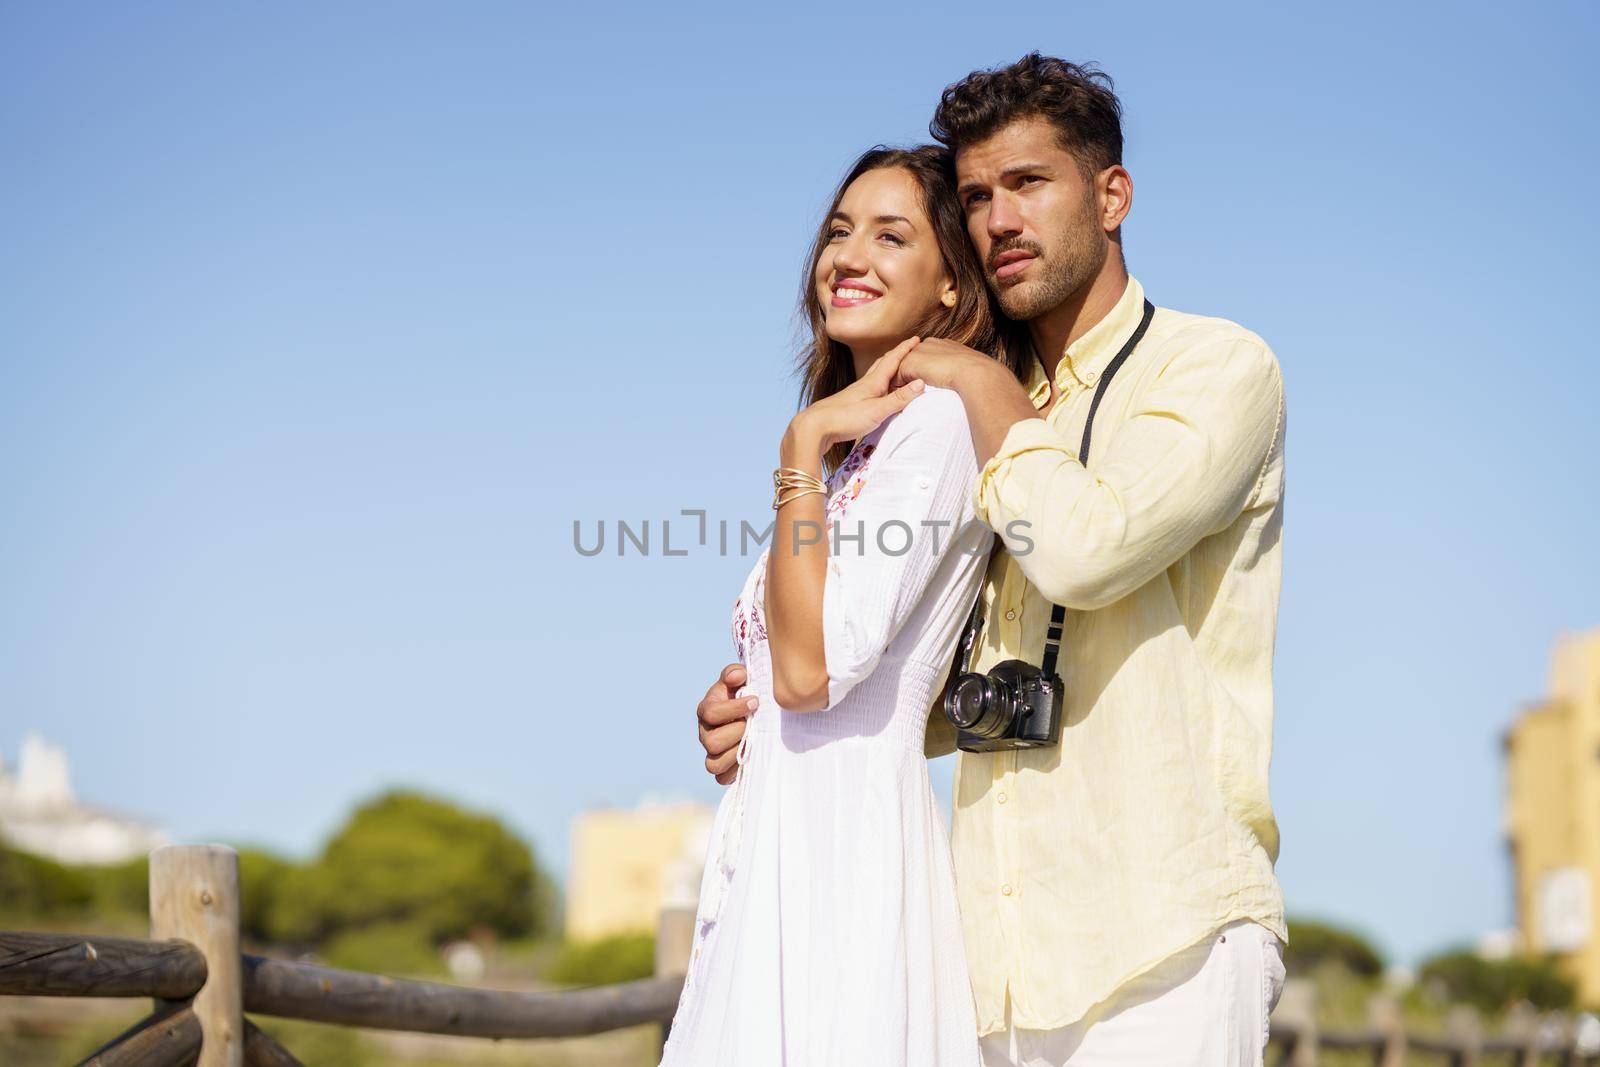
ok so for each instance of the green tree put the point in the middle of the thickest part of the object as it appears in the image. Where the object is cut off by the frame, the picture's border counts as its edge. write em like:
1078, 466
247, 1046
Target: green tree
417, 861
1492, 986
1314, 944
262, 878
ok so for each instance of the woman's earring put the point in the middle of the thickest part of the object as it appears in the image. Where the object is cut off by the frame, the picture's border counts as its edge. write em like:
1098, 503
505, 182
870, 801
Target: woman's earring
948, 299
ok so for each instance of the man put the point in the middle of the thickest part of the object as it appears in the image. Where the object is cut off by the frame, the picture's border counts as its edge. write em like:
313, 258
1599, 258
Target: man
1118, 894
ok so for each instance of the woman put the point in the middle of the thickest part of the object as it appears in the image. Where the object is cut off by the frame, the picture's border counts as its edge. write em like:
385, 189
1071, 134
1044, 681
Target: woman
828, 932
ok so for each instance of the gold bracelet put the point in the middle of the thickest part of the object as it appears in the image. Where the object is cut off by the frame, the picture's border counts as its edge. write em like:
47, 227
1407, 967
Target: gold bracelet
792, 478
785, 479
796, 476
777, 503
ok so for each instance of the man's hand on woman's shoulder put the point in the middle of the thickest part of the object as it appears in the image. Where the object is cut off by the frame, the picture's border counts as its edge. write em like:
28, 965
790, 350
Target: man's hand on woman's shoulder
721, 715
938, 363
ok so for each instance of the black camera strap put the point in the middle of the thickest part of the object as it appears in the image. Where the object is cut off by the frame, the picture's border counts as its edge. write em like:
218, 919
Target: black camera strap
1058, 614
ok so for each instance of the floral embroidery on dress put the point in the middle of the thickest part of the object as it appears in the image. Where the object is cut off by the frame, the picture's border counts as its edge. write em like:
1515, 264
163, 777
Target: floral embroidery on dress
749, 628
749, 622
851, 477
845, 484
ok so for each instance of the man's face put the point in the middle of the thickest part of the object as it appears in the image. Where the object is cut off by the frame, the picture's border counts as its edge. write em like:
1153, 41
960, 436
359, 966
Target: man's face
1032, 216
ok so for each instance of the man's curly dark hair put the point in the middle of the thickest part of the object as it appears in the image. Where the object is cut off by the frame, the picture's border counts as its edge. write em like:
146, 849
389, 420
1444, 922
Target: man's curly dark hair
1076, 99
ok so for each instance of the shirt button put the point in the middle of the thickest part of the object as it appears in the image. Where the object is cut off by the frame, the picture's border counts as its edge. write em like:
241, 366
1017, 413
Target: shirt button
1010, 616
922, 483
1005, 890
1088, 379
1001, 799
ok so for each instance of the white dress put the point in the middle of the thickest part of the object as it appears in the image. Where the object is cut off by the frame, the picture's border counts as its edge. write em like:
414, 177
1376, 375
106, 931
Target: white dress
828, 933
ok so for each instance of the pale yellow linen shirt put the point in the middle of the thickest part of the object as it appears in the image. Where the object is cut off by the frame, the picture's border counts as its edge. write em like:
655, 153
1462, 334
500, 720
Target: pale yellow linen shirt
1081, 866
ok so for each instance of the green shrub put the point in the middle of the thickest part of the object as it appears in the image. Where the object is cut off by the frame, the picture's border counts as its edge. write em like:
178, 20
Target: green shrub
123, 888
33, 887
398, 948
619, 958
1492, 986
39, 888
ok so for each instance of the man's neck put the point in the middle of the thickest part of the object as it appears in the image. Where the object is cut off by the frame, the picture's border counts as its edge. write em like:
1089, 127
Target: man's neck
1069, 320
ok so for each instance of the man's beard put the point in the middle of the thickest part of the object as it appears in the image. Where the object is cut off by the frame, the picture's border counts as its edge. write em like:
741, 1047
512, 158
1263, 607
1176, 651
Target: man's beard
1078, 257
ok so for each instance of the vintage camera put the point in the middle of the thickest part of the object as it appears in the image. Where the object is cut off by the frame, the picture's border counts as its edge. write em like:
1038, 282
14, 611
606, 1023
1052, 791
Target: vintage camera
1014, 705
1018, 705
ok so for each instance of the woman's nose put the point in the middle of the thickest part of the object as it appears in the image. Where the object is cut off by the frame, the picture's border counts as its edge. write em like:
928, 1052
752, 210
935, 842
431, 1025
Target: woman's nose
850, 257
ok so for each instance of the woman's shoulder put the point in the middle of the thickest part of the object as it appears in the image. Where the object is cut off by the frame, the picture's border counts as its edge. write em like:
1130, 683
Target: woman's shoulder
930, 432
935, 407
935, 410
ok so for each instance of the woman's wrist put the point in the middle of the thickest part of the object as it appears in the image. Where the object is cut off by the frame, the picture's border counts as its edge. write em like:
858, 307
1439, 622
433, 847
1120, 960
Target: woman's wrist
803, 445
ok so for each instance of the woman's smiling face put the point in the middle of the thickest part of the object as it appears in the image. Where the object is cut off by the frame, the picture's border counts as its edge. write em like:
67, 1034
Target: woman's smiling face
880, 273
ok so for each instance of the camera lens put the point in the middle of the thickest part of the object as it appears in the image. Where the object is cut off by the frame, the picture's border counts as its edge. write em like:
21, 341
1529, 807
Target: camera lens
980, 705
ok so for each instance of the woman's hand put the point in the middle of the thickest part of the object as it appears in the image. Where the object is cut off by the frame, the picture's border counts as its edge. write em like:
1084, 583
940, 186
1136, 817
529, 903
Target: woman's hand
939, 362
856, 410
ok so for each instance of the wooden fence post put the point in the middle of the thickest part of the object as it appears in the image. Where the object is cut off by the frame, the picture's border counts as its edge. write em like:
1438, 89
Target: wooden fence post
1384, 1013
674, 940
1567, 1052
194, 895
1463, 1027
1522, 1025
1297, 1011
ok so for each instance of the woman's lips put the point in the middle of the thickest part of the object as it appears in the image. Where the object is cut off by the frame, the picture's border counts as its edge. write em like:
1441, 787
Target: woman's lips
839, 301
1013, 266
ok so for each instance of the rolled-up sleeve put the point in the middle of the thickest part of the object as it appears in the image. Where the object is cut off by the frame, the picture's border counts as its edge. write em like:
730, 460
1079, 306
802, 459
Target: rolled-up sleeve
1183, 466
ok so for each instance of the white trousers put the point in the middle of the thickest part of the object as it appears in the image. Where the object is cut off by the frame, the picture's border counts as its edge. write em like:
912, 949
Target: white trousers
1207, 1006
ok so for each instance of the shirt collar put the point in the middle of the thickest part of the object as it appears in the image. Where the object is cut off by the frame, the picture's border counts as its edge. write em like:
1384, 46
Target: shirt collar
1038, 384
1087, 357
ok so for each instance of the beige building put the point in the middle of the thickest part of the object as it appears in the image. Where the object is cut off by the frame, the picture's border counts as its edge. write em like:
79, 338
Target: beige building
1552, 814
629, 863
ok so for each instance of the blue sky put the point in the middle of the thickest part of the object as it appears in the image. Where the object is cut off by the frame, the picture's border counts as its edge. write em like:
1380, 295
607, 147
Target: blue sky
318, 329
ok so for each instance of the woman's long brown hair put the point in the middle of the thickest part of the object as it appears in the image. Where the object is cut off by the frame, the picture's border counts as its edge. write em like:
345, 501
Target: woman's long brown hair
825, 366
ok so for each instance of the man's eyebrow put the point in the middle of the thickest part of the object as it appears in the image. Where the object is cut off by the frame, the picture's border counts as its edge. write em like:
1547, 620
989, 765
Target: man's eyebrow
1010, 172
880, 218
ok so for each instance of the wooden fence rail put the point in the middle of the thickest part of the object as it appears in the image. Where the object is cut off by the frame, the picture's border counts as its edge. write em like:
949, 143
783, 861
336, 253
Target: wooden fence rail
76, 965
201, 986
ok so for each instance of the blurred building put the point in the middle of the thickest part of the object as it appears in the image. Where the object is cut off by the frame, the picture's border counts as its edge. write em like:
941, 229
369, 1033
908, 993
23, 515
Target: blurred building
39, 814
629, 863
1552, 813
